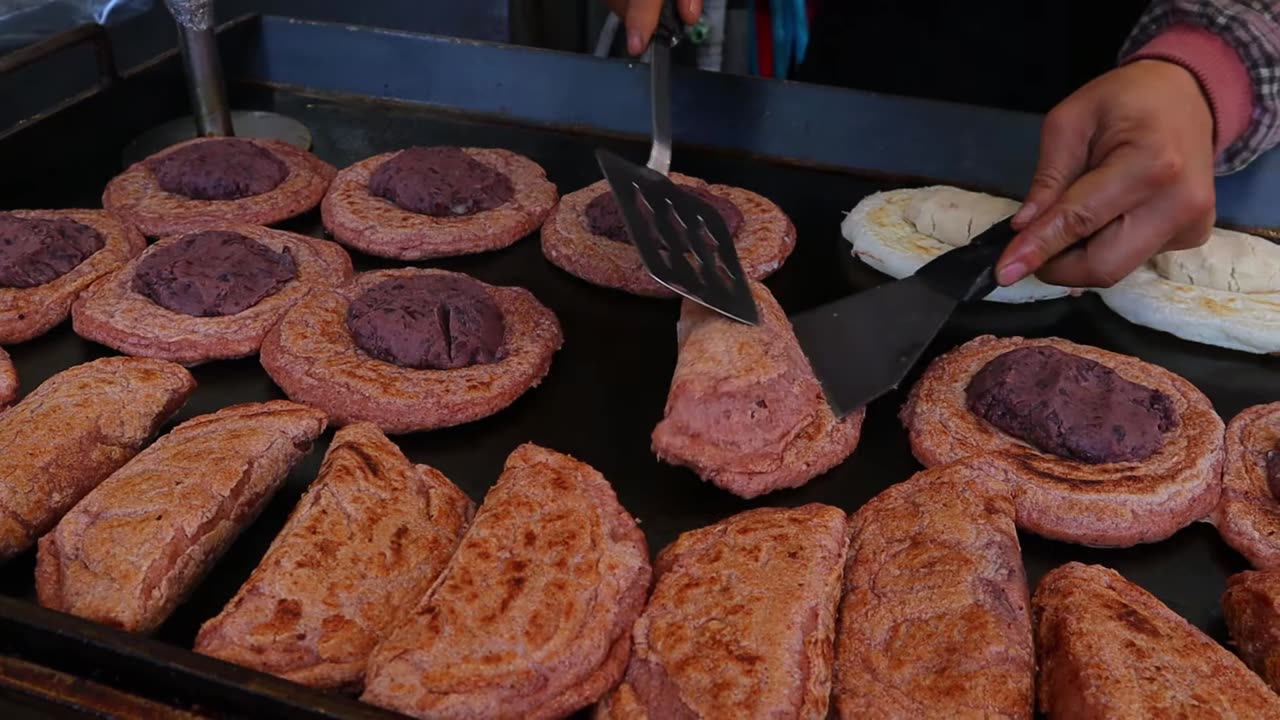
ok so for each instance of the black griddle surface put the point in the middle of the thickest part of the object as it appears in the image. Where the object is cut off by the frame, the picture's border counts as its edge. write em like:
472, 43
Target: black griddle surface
608, 385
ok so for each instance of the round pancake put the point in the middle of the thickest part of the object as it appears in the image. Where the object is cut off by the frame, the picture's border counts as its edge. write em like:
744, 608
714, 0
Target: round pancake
885, 239
113, 314
26, 313
137, 197
1108, 505
358, 219
764, 241
8, 380
311, 355
1248, 516
1249, 322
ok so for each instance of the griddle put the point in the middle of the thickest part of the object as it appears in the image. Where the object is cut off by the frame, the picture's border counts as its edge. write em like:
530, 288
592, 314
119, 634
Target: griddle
363, 91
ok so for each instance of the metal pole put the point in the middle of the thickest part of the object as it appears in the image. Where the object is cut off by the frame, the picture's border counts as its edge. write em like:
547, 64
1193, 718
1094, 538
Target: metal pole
202, 65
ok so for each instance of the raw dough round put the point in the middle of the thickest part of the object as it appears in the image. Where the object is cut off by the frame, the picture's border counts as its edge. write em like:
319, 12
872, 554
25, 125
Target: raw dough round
1217, 310
883, 231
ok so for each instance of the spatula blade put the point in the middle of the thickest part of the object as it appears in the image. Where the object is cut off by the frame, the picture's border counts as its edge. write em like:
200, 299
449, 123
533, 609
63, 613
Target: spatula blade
864, 345
682, 241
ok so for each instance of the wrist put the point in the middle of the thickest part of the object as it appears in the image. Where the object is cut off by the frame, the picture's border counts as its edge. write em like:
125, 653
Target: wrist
1221, 77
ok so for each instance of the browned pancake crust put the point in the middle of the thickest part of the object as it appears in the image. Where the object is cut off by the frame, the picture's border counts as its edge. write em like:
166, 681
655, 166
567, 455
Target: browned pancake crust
532, 616
113, 314
366, 541
1248, 516
764, 242
934, 621
741, 620
1251, 607
136, 195
311, 355
1109, 649
1114, 504
719, 356
377, 226
8, 380
136, 545
74, 430
26, 313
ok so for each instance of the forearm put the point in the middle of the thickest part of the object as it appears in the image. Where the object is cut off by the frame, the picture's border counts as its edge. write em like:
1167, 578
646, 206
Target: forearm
1233, 49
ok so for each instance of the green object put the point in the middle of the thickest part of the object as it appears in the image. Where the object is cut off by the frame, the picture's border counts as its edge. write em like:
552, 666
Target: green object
698, 32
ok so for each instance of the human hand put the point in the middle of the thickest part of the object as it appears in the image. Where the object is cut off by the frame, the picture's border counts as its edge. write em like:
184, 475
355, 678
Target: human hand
1127, 162
641, 18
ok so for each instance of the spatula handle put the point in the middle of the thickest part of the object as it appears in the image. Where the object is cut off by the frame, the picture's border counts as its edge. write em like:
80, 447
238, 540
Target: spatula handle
968, 273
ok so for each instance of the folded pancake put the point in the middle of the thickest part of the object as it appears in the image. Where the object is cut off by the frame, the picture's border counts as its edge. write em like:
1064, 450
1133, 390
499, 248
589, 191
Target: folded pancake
745, 411
934, 620
1248, 515
363, 544
74, 430
1251, 608
1224, 293
1110, 450
532, 616
741, 620
898, 231
136, 546
1109, 649
586, 237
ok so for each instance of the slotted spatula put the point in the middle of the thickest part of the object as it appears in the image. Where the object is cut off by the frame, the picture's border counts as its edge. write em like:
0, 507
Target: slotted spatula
682, 241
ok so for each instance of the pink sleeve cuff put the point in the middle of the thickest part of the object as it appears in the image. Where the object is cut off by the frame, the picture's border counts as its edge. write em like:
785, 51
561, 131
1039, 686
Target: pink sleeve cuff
1217, 66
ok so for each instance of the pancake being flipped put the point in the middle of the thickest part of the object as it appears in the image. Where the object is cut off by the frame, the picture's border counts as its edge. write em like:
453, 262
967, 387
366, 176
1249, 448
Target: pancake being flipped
745, 411
363, 544
532, 616
934, 619
1107, 450
412, 349
898, 231
1248, 516
1224, 293
1109, 649
48, 257
218, 181
741, 620
430, 202
585, 236
207, 295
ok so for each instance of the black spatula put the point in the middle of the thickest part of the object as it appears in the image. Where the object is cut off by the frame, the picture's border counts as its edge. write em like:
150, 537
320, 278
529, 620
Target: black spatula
862, 346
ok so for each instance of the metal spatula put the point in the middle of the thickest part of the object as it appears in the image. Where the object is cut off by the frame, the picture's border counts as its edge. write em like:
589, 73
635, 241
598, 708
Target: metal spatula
862, 346
683, 242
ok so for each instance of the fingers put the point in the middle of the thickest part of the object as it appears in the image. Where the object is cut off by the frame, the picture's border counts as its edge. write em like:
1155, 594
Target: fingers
1127, 242
690, 11
1064, 152
1120, 183
641, 18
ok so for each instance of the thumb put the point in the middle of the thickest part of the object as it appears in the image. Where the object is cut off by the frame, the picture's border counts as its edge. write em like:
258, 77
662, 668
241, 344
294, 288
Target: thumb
690, 11
1064, 155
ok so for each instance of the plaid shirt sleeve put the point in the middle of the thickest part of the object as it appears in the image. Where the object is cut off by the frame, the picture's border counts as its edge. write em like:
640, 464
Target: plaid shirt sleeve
1252, 28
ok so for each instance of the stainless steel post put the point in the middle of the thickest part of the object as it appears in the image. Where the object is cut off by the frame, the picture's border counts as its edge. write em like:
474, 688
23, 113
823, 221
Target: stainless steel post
203, 67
